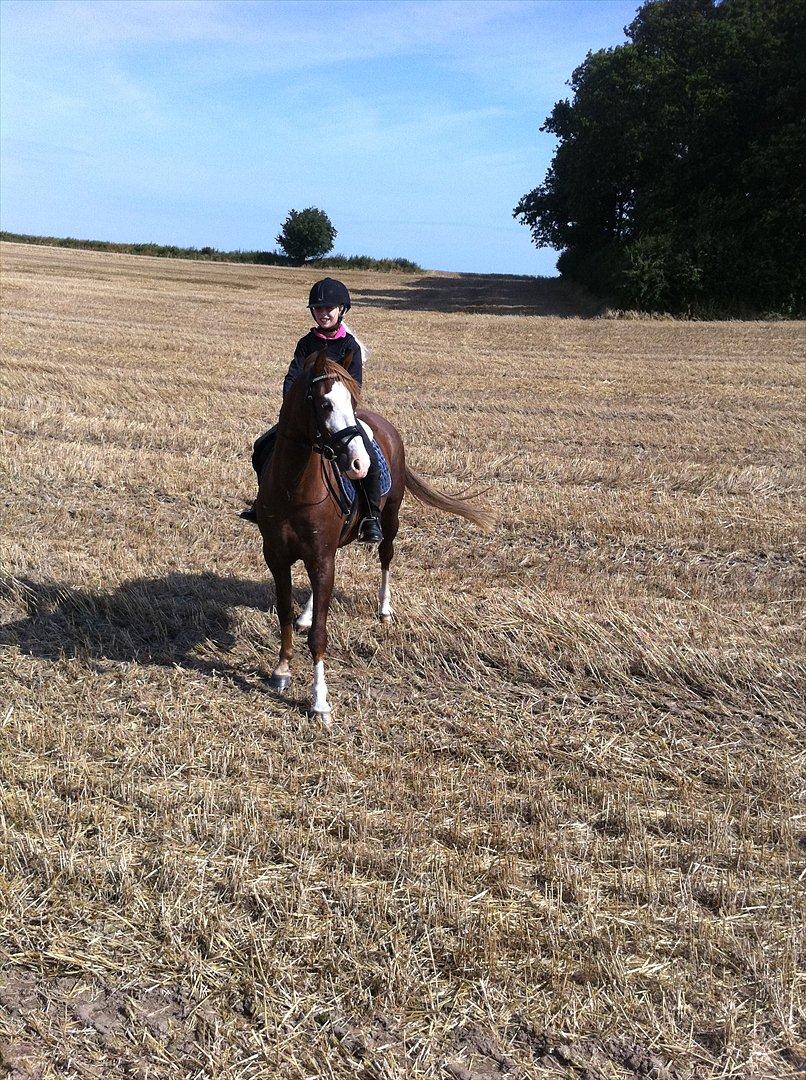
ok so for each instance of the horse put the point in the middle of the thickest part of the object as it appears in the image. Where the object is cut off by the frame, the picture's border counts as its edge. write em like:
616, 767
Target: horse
301, 512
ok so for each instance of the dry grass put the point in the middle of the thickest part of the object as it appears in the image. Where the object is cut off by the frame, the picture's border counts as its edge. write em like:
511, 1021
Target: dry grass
555, 831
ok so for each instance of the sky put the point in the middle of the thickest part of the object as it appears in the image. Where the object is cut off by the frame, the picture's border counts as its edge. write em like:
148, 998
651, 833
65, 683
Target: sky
414, 124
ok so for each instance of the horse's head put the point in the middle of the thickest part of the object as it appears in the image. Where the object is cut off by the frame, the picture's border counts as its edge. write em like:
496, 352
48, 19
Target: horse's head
333, 394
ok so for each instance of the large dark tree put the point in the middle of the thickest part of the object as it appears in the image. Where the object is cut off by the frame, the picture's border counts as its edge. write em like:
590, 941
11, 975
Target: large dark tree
678, 177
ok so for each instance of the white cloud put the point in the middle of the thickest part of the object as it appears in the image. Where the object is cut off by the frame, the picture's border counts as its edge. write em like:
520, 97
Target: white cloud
94, 23
261, 35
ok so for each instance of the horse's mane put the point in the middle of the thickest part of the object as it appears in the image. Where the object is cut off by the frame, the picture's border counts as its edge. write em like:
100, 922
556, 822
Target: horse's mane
343, 375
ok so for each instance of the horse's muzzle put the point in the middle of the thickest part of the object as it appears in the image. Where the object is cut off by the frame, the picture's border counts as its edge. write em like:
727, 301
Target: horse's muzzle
346, 448
357, 462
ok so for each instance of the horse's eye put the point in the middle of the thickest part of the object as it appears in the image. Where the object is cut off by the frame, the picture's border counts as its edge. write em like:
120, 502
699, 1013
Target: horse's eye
327, 406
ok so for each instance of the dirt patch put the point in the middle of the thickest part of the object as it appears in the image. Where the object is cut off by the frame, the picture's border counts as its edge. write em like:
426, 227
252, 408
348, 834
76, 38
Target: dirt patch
102, 1020
18, 992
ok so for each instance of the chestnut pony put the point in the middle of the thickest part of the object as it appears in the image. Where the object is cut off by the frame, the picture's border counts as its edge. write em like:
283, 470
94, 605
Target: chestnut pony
299, 507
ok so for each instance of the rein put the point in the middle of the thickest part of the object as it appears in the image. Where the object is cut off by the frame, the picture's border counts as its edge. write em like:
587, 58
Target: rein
330, 446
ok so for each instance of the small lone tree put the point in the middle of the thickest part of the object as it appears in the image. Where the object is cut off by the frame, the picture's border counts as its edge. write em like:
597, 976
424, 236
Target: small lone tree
306, 234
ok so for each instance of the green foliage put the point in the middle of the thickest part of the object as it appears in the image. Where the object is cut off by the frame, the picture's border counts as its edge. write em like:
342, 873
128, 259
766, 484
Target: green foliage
306, 234
658, 276
677, 179
210, 254
591, 268
366, 262
162, 251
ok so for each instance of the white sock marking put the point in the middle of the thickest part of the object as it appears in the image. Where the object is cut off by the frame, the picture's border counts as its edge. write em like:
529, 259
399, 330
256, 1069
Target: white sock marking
385, 596
306, 615
319, 702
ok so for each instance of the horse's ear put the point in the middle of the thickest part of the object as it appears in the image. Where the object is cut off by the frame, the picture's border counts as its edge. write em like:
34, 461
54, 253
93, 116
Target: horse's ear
316, 362
347, 363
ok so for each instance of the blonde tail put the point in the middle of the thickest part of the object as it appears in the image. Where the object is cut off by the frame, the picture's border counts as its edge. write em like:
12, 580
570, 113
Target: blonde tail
449, 503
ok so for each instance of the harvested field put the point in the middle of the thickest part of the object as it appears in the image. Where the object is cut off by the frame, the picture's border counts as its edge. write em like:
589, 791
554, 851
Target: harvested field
556, 830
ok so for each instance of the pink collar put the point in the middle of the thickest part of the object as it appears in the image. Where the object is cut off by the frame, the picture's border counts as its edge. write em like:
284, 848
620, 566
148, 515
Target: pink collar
340, 333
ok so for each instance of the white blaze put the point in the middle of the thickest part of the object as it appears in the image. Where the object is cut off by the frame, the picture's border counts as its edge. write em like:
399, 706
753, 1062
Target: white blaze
340, 417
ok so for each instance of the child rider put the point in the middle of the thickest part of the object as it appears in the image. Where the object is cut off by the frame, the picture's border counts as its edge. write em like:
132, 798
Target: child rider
329, 302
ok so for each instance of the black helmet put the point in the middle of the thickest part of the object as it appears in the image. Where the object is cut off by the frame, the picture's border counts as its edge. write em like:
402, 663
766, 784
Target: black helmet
329, 293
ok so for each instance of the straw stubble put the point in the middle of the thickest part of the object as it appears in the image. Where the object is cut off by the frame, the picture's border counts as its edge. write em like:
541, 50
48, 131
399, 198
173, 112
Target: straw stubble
554, 831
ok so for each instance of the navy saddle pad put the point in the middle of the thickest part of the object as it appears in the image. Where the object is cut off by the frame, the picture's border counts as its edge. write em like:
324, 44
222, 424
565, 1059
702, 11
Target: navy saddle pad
348, 487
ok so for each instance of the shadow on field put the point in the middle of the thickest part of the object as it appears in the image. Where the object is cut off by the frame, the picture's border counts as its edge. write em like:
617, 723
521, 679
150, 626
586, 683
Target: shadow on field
486, 294
147, 621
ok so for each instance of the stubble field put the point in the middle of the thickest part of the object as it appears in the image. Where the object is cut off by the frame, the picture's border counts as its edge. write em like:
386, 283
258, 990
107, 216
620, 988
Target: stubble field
557, 828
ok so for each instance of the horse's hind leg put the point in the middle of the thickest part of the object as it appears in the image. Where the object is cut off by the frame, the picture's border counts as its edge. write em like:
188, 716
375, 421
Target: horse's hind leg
305, 617
386, 552
281, 676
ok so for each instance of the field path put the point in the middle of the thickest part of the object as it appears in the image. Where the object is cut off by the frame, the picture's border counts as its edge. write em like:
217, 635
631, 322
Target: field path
555, 831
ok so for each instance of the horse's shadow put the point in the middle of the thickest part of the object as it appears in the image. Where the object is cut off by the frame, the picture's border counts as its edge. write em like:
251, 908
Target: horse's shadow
159, 621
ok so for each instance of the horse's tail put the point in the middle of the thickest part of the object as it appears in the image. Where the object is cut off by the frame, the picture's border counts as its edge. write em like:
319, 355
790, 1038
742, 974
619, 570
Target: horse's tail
451, 504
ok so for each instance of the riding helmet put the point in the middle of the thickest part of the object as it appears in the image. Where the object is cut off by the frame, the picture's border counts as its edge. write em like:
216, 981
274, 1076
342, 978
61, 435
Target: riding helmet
329, 293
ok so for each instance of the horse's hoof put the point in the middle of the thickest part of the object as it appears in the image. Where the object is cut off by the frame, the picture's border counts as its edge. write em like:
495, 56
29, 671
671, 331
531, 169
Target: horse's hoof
324, 718
386, 619
300, 626
280, 682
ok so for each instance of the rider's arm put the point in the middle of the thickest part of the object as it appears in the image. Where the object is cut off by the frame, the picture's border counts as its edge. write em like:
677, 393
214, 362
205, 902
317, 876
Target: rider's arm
356, 366
295, 367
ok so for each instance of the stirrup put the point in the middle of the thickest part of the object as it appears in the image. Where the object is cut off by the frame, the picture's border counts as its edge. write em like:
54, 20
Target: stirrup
369, 531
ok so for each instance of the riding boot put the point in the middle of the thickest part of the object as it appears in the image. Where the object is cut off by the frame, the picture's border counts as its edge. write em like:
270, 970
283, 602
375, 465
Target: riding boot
261, 452
369, 531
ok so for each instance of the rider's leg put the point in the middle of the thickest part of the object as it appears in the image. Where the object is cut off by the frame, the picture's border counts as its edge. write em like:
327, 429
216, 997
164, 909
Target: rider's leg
261, 452
369, 531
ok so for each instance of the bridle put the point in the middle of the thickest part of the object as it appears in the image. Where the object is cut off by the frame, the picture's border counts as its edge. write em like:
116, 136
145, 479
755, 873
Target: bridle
330, 446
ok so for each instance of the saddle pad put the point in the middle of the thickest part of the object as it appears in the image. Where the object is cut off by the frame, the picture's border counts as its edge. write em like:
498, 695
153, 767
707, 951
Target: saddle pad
348, 487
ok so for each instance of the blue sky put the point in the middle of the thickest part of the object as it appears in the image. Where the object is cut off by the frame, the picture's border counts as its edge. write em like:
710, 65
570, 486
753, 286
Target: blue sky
413, 123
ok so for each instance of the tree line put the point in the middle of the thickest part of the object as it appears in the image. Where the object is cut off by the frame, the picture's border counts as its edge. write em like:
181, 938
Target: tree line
678, 180
306, 237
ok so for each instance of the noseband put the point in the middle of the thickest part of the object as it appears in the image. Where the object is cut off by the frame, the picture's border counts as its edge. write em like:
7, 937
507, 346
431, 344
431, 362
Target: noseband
330, 446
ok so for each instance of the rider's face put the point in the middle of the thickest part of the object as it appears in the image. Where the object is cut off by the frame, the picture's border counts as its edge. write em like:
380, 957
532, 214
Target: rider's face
326, 317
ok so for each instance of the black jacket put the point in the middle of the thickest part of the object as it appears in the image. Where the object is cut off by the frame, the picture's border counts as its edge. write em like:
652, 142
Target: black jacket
335, 349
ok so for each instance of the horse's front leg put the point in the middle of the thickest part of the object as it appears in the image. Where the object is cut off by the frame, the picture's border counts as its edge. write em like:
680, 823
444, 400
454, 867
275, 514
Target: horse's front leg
321, 574
281, 572
386, 551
